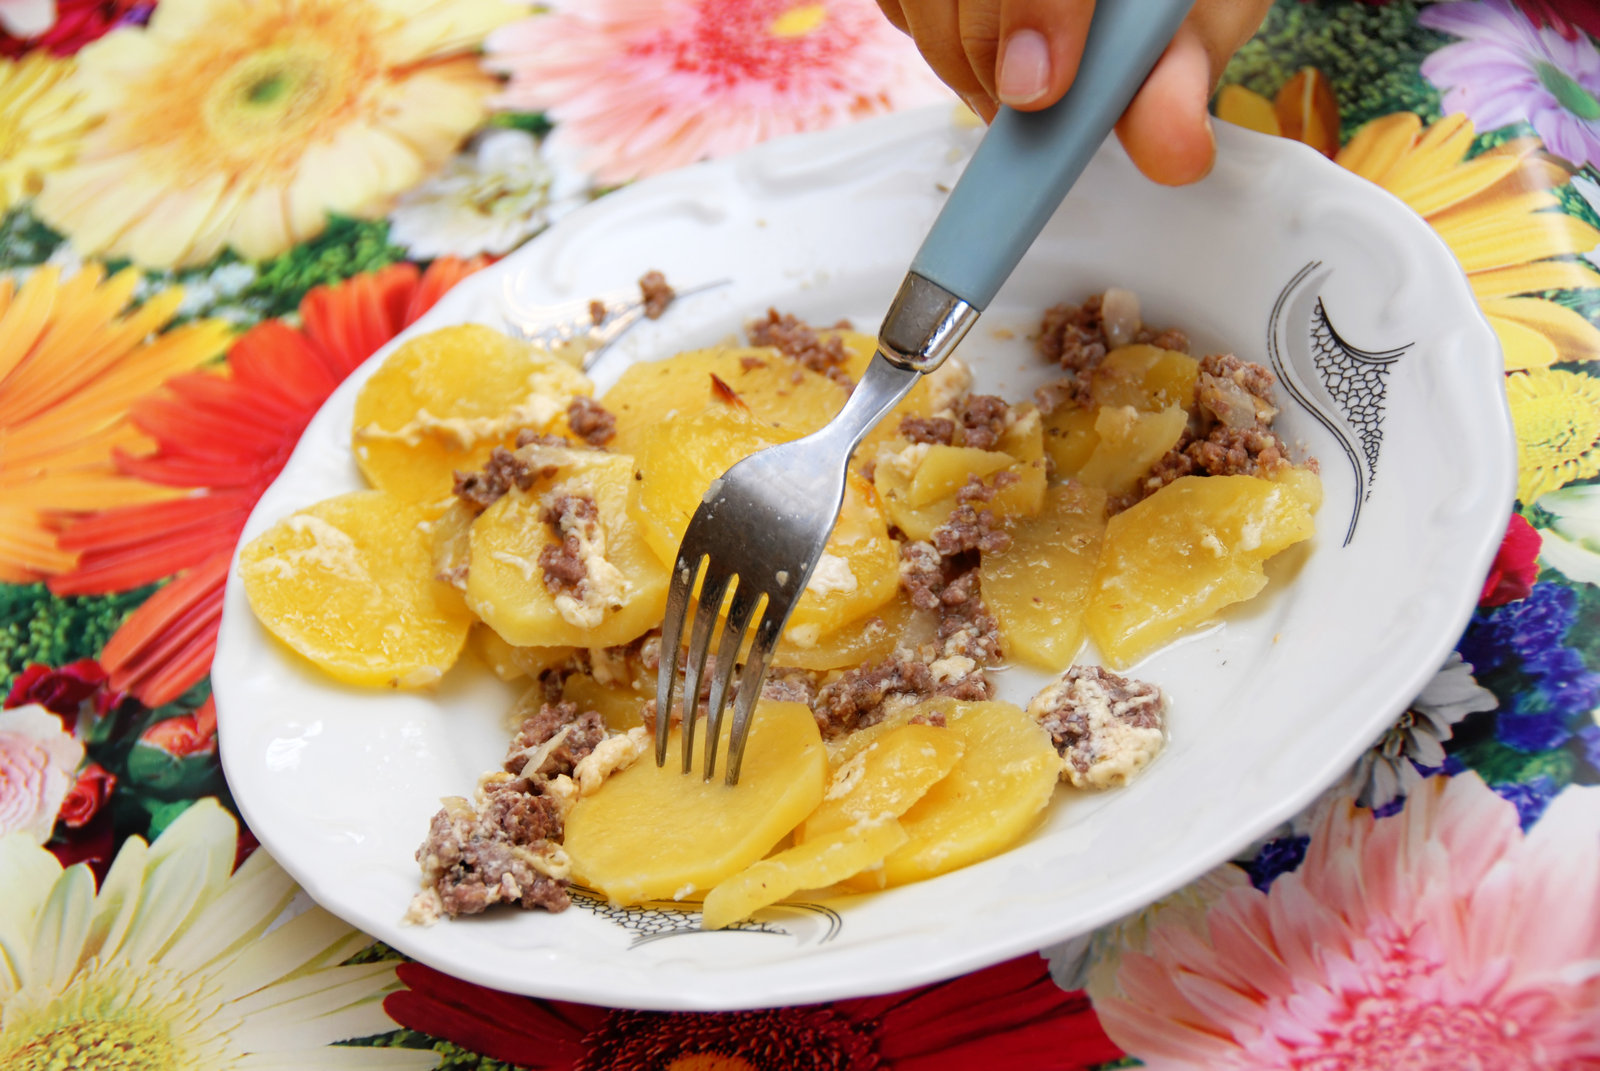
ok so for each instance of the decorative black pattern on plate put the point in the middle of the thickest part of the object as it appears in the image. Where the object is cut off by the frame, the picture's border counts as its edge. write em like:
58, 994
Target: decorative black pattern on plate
656, 920
1341, 385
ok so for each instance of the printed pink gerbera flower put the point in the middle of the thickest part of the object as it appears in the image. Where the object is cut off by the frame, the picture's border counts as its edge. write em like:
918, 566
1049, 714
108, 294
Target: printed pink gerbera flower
1440, 937
636, 87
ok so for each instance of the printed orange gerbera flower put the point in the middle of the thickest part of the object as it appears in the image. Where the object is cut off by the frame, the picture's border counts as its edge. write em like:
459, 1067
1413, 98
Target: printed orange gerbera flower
243, 123
73, 360
1497, 213
226, 434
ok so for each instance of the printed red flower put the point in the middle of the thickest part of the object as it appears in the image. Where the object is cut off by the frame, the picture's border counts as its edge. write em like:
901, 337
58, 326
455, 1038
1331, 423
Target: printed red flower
85, 798
226, 435
1010, 1015
1516, 565
94, 844
186, 734
78, 22
61, 691
1566, 17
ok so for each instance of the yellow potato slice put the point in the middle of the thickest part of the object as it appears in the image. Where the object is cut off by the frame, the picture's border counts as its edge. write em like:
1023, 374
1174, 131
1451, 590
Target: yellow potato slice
444, 400
652, 833
1070, 438
1038, 588
627, 591
1172, 561
859, 568
348, 583
855, 643
1130, 441
776, 390
816, 864
1145, 377
945, 470
992, 797
885, 779
1022, 498
620, 706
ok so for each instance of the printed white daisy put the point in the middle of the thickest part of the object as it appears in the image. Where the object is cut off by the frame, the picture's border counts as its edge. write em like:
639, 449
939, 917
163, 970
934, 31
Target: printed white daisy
489, 199
174, 964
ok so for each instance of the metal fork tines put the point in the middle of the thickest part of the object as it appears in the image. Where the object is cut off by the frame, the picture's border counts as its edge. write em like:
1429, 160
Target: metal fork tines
758, 533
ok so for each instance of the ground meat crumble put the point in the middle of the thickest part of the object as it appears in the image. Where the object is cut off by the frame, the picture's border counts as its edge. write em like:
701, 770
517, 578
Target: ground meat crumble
506, 848
562, 562
591, 421
800, 342
656, 293
1106, 727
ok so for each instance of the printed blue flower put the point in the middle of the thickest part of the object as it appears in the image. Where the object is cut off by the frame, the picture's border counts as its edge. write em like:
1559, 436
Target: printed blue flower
1530, 799
1532, 732
1279, 857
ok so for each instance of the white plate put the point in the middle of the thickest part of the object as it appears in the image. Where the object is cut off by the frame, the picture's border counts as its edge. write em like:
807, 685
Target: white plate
1402, 403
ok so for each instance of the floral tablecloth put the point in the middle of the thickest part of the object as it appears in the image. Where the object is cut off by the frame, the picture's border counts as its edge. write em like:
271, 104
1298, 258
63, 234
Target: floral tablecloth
211, 211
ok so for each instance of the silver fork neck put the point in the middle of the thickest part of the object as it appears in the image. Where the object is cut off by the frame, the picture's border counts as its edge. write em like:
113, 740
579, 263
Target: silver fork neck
924, 324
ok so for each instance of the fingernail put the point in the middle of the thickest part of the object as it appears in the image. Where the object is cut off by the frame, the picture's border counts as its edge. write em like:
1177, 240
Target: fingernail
1024, 68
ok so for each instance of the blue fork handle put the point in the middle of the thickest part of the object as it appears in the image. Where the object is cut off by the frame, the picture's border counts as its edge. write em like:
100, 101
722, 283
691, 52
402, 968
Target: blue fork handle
1029, 160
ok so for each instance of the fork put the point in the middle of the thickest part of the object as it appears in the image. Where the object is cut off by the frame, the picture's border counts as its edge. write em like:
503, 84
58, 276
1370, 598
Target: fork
762, 526
554, 327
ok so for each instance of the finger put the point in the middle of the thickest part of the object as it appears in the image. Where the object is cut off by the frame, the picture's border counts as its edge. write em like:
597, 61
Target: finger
897, 18
1040, 47
935, 25
1167, 129
979, 28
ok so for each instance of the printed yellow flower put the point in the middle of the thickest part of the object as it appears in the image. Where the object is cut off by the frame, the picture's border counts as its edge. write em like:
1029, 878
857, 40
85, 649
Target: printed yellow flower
243, 123
41, 123
1557, 416
73, 360
164, 967
1497, 213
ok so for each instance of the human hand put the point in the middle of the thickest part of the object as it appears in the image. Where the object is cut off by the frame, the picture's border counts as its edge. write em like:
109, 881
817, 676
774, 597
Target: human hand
1024, 54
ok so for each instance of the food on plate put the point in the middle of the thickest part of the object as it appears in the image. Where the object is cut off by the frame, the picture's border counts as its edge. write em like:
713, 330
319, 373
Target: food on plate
1133, 498
348, 584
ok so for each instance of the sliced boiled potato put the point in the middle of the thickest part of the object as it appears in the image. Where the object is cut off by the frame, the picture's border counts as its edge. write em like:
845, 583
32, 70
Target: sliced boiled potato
777, 391
1128, 442
348, 583
1173, 561
1070, 438
443, 401
627, 585
676, 466
896, 471
1038, 588
621, 707
945, 470
1146, 377
652, 833
993, 796
884, 779
855, 643
820, 862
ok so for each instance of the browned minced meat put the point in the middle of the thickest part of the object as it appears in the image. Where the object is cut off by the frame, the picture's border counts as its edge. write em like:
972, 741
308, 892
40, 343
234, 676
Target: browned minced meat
934, 718
591, 421
789, 684
597, 312
657, 294
855, 700
1073, 336
966, 627
969, 528
799, 341
983, 421
922, 573
750, 364
562, 562
588, 730
1136, 702
529, 437
940, 430
474, 858
503, 471
1235, 405
1070, 390
977, 489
